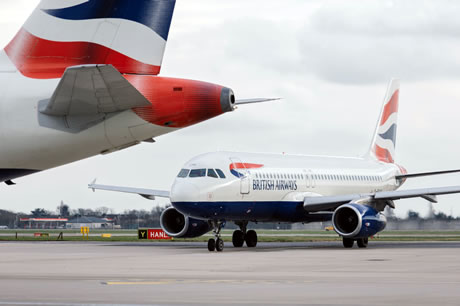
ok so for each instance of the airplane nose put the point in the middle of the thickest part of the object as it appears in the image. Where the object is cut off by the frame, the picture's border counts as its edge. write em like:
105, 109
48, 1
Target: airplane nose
227, 100
183, 191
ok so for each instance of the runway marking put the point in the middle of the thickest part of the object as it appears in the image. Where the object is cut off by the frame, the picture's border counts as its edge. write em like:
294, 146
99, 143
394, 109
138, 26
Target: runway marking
202, 281
138, 283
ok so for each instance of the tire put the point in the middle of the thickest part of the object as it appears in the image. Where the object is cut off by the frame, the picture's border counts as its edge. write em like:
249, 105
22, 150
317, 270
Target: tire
238, 239
219, 245
211, 245
251, 239
362, 242
348, 243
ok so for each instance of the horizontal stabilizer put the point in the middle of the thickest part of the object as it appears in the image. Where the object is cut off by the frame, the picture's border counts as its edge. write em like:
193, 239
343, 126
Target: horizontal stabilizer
93, 90
146, 193
258, 100
313, 204
410, 175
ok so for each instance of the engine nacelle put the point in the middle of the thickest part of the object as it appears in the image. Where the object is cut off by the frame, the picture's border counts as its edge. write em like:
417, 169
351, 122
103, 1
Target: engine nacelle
176, 225
357, 221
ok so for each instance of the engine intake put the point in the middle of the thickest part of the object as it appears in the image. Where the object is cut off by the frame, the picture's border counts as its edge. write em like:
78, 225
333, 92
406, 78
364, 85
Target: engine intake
176, 225
357, 221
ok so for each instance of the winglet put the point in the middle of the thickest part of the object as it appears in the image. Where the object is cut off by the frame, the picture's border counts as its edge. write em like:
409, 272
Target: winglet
91, 185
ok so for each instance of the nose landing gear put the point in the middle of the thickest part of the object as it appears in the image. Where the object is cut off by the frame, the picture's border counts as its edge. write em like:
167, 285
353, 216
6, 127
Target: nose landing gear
216, 244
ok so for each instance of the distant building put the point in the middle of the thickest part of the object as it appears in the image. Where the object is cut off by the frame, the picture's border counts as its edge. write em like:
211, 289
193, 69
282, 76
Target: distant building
42, 223
91, 222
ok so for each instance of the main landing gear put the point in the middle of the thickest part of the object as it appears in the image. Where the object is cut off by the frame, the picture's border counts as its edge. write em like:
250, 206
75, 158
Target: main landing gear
216, 244
362, 242
243, 235
239, 237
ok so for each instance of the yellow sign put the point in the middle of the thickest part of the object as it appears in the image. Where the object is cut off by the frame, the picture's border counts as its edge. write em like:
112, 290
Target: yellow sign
106, 235
84, 230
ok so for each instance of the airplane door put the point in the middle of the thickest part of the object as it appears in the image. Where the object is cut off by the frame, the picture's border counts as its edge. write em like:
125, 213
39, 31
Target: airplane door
238, 167
307, 178
312, 178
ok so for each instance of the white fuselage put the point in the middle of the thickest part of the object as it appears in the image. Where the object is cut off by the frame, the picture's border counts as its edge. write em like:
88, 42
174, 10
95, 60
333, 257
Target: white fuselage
261, 181
31, 140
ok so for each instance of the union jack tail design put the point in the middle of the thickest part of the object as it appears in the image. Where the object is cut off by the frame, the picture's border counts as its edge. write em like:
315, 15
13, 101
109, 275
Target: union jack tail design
384, 141
130, 35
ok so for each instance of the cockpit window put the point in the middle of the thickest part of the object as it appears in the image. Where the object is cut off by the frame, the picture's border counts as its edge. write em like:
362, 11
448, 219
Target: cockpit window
197, 173
221, 174
183, 173
212, 173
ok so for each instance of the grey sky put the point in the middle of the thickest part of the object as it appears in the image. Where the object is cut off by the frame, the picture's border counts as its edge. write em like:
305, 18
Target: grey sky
330, 60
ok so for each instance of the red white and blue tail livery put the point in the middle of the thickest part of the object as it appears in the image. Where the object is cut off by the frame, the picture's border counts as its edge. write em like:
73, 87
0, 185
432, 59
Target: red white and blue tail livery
130, 35
79, 79
384, 143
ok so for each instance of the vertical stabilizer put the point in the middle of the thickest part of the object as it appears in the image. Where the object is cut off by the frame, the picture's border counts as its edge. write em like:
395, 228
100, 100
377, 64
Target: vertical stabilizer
384, 141
130, 35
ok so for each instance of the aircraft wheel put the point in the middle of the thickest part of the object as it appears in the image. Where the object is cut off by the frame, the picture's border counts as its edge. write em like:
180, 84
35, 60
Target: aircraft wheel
348, 242
211, 245
362, 242
251, 239
219, 245
238, 239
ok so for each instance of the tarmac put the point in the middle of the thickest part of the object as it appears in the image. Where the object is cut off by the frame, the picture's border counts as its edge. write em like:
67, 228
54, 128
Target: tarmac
319, 273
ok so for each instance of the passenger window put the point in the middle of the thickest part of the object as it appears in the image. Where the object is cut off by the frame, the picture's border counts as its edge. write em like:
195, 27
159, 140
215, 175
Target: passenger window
221, 174
197, 173
183, 173
212, 173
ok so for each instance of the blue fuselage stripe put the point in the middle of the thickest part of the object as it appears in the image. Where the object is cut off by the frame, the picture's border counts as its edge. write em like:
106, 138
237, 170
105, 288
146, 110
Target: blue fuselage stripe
251, 211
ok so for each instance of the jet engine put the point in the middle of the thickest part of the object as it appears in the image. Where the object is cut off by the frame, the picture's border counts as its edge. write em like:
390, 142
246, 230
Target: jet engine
176, 225
357, 221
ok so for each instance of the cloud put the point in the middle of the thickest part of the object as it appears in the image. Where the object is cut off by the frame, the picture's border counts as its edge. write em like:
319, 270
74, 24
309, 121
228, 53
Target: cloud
372, 41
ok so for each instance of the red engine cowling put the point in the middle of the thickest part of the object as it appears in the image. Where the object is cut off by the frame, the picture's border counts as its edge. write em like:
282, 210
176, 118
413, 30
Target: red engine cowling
180, 103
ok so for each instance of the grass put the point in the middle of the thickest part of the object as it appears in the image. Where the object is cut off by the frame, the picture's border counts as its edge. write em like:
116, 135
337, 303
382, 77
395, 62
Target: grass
264, 236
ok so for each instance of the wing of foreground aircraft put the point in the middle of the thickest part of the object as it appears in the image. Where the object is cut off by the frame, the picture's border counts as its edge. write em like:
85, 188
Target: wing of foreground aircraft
314, 204
149, 194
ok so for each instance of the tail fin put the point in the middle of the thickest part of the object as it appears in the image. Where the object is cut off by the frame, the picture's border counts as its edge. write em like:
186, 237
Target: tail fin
384, 141
130, 35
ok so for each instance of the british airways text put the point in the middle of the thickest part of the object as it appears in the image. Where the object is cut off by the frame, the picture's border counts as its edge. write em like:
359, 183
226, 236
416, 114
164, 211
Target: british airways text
274, 185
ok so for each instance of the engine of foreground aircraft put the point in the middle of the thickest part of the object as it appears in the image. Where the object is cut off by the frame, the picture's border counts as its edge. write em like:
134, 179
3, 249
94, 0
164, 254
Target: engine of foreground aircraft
177, 225
357, 221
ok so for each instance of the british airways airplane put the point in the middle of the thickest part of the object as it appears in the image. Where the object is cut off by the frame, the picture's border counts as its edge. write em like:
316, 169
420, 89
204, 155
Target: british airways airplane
79, 79
215, 188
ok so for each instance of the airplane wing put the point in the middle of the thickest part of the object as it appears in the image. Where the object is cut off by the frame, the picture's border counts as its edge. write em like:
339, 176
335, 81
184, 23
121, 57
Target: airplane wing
410, 175
149, 194
89, 90
314, 204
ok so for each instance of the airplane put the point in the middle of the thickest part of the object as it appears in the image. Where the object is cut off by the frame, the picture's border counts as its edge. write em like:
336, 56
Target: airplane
80, 79
214, 188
